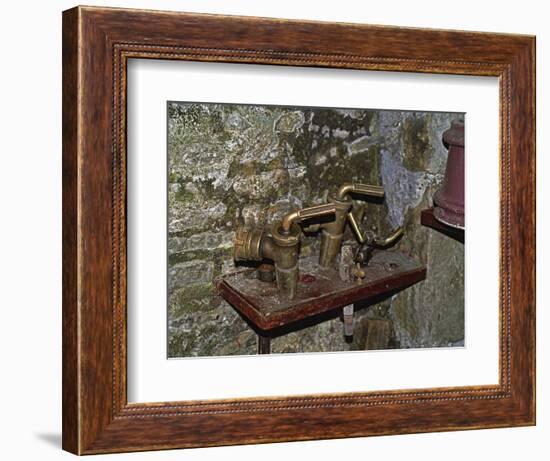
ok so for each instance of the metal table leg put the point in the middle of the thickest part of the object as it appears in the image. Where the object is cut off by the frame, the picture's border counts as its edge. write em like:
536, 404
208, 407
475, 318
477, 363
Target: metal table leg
264, 344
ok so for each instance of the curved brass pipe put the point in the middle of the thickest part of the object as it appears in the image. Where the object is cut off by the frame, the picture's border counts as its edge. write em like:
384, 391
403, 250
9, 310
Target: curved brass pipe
288, 220
382, 243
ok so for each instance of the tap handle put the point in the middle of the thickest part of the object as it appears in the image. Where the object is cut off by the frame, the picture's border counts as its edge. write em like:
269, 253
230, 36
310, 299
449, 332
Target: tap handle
388, 241
316, 211
375, 242
367, 189
365, 251
307, 213
358, 188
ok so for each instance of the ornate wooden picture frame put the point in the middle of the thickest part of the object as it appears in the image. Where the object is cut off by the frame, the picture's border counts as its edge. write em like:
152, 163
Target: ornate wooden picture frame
97, 44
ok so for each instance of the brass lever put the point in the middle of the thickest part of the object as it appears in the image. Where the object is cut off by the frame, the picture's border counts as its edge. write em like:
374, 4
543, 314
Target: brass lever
306, 213
388, 241
379, 243
355, 228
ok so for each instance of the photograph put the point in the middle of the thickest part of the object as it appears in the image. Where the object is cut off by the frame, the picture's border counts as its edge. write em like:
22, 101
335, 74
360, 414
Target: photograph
302, 229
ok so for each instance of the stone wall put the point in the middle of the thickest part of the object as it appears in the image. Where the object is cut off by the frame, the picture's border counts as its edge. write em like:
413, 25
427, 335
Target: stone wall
230, 164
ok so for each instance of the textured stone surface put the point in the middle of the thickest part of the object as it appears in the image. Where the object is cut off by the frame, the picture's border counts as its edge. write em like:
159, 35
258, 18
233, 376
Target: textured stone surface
230, 164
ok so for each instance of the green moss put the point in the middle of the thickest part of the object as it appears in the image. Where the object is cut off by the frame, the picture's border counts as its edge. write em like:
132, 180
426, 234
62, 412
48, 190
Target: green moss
416, 143
233, 146
339, 120
194, 298
183, 195
199, 254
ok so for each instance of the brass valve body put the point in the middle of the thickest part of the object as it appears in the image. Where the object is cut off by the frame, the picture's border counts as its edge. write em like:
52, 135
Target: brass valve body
287, 250
333, 232
281, 244
246, 246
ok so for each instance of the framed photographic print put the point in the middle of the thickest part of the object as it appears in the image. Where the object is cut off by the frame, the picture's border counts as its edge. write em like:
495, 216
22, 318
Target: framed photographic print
281, 230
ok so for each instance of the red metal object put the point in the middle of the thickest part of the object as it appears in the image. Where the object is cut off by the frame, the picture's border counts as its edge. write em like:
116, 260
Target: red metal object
427, 218
449, 199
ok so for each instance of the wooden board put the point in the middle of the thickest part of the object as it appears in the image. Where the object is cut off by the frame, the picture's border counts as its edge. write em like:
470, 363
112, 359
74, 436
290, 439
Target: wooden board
427, 218
319, 289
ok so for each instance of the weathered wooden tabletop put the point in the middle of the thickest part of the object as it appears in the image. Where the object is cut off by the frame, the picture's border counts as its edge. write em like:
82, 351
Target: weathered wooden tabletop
319, 289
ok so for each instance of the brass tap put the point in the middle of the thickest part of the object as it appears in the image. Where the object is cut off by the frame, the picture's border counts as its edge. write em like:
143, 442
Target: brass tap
280, 243
333, 232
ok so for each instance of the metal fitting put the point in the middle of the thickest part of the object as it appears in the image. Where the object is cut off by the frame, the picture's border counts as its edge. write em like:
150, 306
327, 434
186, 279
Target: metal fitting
333, 232
281, 245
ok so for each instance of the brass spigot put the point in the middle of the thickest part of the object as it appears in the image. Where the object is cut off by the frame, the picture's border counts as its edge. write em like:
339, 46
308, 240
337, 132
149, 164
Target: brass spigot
333, 232
280, 243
